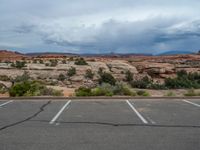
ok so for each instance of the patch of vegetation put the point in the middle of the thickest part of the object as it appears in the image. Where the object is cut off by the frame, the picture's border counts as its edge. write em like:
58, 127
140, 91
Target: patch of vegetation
4, 78
80, 61
53, 62
83, 91
144, 83
170, 94
71, 71
106, 89
64, 61
107, 78
123, 89
41, 61
89, 74
128, 76
24, 77
184, 80
18, 64
32, 88
3, 89
191, 92
61, 77
142, 93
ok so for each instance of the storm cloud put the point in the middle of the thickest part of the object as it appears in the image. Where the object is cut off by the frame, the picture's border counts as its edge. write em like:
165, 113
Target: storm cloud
101, 26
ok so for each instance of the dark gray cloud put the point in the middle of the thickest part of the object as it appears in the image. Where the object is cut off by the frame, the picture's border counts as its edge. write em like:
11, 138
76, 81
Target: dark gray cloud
149, 26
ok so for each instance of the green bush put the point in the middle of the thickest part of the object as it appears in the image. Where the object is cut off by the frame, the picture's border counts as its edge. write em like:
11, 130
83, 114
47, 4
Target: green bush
128, 76
80, 61
61, 77
183, 80
123, 89
19, 64
83, 91
107, 78
89, 74
142, 84
32, 88
71, 71
142, 93
104, 89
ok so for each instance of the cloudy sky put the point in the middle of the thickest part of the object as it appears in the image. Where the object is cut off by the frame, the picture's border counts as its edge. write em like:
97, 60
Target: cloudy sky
100, 26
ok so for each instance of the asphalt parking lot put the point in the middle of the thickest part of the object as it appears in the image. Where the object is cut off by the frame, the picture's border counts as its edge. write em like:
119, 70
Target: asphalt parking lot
139, 124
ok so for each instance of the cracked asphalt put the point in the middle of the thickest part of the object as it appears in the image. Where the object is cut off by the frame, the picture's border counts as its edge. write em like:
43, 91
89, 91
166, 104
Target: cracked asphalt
165, 124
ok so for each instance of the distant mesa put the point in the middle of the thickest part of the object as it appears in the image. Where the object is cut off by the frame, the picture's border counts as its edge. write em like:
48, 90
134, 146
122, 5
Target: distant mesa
175, 53
7, 55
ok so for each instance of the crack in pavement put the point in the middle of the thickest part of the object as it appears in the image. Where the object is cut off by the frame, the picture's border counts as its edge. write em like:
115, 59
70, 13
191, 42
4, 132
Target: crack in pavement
41, 109
125, 125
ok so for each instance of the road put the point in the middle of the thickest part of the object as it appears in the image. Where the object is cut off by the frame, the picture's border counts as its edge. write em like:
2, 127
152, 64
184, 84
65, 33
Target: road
127, 124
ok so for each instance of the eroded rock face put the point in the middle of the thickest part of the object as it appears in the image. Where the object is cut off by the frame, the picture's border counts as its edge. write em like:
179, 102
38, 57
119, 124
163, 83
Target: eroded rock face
119, 67
154, 69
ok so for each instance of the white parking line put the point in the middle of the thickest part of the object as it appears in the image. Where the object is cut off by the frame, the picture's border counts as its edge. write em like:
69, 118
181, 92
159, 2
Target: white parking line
59, 113
137, 113
5, 103
192, 103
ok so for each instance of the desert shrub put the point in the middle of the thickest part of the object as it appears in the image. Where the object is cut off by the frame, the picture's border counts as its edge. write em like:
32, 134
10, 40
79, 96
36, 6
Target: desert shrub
41, 61
128, 76
142, 93
3, 89
61, 77
71, 71
4, 78
53, 62
103, 90
107, 78
100, 71
157, 86
89, 74
170, 94
80, 61
32, 88
51, 92
19, 64
83, 91
47, 64
64, 61
24, 77
142, 84
71, 59
123, 89
106, 89
183, 80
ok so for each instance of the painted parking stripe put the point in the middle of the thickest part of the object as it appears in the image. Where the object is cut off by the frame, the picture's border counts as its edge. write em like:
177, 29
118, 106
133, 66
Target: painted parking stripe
137, 113
191, 103
59, 113
1, 105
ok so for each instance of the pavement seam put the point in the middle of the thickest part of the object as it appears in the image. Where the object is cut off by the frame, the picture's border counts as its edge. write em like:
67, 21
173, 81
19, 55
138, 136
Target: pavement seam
41, 109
